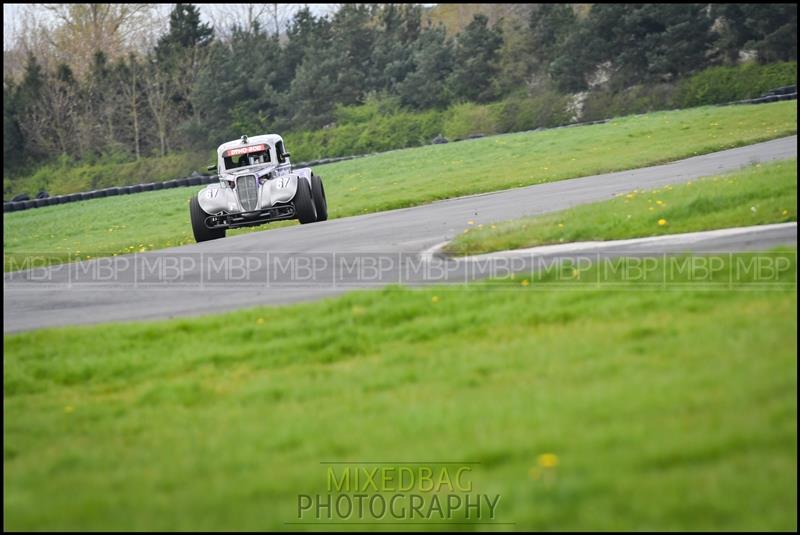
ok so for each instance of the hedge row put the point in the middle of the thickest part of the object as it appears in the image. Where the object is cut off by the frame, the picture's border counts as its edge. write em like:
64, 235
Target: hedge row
370, 131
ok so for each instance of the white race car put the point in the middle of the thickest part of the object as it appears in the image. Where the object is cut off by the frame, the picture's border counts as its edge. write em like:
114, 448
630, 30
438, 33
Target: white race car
256, 185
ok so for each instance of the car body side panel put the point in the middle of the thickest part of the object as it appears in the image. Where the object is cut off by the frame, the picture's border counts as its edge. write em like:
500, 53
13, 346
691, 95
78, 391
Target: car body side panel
278, 190
214, 199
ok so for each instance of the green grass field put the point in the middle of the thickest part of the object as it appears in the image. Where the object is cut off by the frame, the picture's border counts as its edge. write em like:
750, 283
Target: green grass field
629, 406
160, 219
754, 196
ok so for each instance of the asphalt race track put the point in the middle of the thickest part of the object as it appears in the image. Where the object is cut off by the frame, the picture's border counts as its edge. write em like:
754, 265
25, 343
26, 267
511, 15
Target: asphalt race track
308, 262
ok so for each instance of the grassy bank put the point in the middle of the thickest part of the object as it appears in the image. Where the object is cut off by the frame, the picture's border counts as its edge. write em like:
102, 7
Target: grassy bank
628, 408
755, 196
159, 219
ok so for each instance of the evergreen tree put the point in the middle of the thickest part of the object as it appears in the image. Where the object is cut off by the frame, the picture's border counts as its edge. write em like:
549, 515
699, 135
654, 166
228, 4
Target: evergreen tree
476, 61
235, 91
432, 60
398, 31
13, 142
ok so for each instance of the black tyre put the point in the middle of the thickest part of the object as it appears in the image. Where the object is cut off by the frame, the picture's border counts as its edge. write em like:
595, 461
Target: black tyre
318, 194
303, 203
201, 231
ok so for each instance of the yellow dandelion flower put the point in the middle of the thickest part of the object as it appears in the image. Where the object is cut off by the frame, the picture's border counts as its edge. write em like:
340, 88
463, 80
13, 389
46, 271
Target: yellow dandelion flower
786, 212
435, 299
260, 321
547, 460
525, 282
659, 202
662, 222
561, 225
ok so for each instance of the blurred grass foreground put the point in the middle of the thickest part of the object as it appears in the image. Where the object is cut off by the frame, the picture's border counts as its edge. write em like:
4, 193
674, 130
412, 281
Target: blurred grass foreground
583, 397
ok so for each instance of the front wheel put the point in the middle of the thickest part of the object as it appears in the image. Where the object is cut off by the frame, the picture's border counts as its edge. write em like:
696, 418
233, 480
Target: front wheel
318, 194
201, 231
303, 203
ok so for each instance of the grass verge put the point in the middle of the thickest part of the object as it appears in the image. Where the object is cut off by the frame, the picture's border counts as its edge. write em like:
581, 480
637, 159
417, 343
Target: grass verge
159, 219
632, 406
757, 195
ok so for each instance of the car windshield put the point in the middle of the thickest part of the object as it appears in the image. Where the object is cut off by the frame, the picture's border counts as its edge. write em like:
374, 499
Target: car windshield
245, 156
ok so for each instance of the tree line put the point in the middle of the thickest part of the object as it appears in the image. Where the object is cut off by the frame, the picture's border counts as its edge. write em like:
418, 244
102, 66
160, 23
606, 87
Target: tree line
199, 85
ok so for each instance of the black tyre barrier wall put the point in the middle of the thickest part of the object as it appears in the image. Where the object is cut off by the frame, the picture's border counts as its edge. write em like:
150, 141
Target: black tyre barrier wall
24, 202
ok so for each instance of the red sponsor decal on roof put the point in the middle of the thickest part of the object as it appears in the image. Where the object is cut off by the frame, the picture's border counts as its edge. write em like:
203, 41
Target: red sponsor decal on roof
244, 150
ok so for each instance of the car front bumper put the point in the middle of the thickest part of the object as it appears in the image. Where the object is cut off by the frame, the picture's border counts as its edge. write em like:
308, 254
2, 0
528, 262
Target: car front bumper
250, 219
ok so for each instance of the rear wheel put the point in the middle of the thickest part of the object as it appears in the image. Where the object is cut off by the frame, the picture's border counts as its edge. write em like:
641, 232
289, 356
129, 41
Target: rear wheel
318, 194
303, 203
201, 231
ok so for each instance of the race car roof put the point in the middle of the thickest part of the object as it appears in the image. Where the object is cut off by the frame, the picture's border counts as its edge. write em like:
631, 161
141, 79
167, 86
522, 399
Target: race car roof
270, 139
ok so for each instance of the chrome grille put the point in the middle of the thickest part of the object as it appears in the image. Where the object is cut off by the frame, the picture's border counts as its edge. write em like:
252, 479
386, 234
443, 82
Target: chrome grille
247, 189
